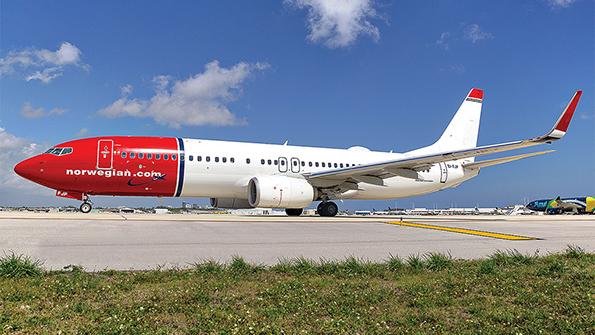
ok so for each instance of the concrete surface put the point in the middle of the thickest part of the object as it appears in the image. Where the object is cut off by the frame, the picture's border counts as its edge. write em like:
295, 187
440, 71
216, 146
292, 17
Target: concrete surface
131, 241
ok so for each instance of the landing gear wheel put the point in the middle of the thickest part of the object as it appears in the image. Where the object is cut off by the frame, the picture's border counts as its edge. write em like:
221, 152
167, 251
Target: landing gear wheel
328, 208
294, 211
85, 207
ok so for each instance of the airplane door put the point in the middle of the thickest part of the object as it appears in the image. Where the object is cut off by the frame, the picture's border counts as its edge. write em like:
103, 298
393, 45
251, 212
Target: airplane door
443, 172
282, 164
105, 154
295, 165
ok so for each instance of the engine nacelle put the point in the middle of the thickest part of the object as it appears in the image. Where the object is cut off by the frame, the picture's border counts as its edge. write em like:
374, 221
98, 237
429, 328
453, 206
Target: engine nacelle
280, 192
230, 203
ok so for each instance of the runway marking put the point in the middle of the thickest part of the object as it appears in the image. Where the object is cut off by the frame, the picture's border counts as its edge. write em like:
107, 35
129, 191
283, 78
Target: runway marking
464, 231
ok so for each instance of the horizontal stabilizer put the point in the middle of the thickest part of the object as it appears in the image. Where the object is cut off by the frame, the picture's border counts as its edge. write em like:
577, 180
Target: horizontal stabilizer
490, 162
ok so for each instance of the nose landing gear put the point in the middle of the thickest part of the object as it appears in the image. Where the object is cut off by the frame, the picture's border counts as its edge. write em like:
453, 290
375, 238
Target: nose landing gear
86, 205
327, 208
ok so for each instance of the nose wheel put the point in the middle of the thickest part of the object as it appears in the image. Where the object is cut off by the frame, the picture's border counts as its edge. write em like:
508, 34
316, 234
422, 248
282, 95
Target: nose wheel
327, 208
86, 207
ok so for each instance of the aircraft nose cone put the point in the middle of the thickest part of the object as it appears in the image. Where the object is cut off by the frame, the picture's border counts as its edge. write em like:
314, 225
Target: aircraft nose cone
29, 168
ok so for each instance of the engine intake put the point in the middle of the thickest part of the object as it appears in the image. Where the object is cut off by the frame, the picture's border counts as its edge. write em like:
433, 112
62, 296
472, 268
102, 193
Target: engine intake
280, 192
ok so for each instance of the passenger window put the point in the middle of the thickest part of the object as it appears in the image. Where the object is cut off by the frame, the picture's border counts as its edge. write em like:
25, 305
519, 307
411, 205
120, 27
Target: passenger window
232, 160
224, 159
132, 155
247, 160
157, 156
262, 161
141, 155
323, 164
174, 157
336, 165
283, 162
270, 162
294, 163
216, 159
208, 158
181, 157
191, 158
123, 154
149, 156
198, 158
310, 164
341, 165
165, 157
316, 164
303, 163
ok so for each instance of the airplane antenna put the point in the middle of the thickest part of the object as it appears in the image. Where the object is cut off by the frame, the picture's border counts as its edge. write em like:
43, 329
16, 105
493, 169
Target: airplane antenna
285, 142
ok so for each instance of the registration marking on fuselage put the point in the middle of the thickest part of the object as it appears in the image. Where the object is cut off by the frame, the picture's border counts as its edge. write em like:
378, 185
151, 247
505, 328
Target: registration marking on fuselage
482, 233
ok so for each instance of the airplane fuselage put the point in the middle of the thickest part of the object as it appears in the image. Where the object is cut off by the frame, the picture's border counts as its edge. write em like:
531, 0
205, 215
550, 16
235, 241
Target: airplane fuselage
174, 167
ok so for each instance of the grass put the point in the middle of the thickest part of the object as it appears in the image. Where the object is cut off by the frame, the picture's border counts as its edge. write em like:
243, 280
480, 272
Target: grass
508, 292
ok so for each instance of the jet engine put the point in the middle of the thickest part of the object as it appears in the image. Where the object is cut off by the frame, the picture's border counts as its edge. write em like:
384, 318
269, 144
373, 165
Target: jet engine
280, 192
230, 203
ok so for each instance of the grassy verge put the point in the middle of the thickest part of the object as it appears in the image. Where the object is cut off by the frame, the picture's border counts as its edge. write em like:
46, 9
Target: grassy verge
506, 293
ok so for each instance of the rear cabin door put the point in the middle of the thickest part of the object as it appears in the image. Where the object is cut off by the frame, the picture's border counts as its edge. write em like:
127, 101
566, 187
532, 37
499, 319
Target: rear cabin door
105, 154
443, 172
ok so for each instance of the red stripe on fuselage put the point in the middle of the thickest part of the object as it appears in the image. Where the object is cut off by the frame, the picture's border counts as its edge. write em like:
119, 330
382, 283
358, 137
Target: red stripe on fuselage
127, 176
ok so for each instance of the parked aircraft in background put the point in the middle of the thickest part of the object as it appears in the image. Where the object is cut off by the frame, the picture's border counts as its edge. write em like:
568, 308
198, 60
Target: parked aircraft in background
559, 206
249, 175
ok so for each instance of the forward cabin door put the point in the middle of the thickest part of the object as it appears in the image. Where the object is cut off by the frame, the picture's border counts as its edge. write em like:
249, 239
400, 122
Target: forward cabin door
105, 154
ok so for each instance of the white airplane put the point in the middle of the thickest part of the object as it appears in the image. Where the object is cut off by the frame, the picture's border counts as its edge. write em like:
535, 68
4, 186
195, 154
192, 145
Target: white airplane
250, 175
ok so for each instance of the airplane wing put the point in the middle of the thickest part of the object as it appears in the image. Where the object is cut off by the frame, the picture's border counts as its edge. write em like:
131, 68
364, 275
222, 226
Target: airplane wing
409, 165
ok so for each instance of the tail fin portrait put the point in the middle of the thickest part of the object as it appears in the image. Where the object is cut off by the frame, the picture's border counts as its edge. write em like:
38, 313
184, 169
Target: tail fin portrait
463, 129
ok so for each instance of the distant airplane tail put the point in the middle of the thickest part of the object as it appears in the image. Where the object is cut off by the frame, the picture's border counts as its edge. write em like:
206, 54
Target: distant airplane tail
463, 129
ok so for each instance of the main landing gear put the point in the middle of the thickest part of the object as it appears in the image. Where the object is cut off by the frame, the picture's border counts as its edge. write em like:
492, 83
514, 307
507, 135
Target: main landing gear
327, 208
294, 211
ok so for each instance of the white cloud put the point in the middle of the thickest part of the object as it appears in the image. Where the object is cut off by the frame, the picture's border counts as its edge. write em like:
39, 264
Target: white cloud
586, 116
82, 132
31, 112
338, 23
561, 3
443, 40
126, 89
474, 33
14, 149
46, 64
199, 100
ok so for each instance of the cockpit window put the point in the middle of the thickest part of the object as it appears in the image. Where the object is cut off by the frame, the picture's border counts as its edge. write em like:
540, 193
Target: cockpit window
59, 151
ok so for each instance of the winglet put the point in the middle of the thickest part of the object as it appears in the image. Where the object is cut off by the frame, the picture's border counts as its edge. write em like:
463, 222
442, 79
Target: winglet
561, 126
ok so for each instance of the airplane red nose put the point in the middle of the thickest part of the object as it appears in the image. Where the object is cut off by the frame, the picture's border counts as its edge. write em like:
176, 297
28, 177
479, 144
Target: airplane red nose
30, 168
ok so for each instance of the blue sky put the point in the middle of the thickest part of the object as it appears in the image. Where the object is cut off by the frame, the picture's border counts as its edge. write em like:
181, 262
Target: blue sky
387, 75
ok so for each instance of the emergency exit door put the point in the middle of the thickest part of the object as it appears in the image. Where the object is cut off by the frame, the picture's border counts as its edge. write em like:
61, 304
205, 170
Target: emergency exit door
105, 154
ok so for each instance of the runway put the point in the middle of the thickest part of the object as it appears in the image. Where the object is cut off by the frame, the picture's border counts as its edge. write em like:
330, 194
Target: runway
137, 242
